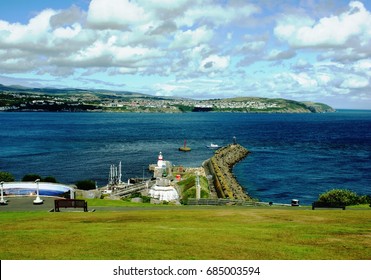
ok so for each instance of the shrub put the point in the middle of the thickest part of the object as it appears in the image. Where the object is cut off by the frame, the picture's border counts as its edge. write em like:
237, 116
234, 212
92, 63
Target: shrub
6, 177
145, 199
31, 177
85, 185
49, 179
136, 194
339, 196
365, 199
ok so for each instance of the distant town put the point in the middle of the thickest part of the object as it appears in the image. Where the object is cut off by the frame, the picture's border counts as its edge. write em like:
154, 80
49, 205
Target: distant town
18, 99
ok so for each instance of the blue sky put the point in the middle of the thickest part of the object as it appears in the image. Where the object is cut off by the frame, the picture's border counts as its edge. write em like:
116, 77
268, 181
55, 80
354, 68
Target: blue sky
302, 50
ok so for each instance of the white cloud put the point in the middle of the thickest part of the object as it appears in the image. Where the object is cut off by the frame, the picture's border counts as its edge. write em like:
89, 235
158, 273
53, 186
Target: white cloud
275, 54
214, 63
248, 47
304, 80
191, 38
125, 54
301, 64
328, 31
355, 82
68, 32
115, 14
216, 14
170, 89
363, 66
324, 78
35, 32
167, 5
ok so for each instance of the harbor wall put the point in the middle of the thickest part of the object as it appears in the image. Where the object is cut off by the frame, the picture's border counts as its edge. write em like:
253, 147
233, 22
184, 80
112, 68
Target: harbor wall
220, 168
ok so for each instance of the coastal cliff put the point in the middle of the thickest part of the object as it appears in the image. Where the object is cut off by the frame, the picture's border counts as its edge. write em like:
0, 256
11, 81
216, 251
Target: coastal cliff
220, 168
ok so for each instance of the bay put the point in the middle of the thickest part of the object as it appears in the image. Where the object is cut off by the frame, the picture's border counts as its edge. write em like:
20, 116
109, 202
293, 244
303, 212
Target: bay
292, 155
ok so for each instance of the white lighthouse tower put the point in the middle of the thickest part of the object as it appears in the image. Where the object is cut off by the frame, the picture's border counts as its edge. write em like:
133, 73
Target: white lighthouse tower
160, 160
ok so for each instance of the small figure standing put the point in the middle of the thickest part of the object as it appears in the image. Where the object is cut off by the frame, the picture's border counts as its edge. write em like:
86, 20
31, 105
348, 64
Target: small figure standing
234, 140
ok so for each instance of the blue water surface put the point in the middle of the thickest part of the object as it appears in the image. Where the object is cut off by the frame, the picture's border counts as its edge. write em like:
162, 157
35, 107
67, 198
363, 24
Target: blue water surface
292, 155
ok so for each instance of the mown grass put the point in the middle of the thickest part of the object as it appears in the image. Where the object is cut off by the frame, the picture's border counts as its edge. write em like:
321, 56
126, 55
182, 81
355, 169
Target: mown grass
187, 233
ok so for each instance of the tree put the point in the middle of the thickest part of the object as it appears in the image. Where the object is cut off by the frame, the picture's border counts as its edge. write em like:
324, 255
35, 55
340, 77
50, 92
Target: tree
31, 177
49, 179
85, 185
339, 196
6, 177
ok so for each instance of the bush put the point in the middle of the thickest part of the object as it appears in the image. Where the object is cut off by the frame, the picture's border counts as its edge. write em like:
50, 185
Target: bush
49, 179
6, 177
134, 195
145, 199
86, 185
339, 196
31, 177
365, 199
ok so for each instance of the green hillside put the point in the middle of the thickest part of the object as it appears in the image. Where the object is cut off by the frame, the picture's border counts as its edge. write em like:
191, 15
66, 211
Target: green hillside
17, 98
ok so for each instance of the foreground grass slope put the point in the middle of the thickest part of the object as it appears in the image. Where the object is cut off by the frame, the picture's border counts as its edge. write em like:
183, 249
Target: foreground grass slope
188, 233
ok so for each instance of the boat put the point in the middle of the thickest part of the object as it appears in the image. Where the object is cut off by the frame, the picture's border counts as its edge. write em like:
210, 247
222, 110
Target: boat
185, 148
213, 146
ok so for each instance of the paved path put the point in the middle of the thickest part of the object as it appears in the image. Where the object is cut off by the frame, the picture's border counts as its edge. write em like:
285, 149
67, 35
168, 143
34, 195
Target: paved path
25, 203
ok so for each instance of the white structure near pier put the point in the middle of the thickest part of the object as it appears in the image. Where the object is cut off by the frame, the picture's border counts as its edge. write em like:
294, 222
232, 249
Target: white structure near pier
162, 190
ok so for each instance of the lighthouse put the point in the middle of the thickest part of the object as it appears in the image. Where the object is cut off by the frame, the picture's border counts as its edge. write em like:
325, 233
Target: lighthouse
160, 160
162, 190
161, 168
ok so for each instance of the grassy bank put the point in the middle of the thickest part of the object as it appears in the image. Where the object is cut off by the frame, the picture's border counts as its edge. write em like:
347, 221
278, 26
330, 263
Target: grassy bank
188, 233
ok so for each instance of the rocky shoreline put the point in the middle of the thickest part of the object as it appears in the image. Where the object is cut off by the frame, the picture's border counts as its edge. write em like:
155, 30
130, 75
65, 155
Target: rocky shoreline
218, 169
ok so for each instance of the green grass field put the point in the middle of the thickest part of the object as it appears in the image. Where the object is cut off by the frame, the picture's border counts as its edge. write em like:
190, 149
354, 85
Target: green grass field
186, 233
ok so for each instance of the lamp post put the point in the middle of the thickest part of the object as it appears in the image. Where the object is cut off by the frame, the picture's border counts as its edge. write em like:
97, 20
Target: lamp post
38, 200
2, 201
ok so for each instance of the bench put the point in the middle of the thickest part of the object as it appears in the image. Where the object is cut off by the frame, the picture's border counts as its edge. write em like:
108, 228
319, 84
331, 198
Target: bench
70, 203
320, 204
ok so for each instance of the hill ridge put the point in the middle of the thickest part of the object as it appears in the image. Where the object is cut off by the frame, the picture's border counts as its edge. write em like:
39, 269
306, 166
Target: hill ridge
18, 98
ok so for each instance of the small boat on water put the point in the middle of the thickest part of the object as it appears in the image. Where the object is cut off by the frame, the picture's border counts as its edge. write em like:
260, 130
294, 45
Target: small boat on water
185, 148
213, 146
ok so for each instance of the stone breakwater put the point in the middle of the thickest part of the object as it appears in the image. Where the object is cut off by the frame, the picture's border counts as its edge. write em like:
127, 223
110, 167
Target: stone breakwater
219, 168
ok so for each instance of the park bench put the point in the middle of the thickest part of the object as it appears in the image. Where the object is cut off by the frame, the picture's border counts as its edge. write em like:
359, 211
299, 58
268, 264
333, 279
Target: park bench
70, 203
320, 204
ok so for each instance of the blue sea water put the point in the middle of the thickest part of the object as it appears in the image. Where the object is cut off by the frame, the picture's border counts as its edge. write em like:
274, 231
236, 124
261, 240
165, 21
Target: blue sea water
292, 155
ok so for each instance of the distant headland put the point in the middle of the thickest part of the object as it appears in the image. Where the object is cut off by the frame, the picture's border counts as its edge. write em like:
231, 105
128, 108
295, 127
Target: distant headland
21, 99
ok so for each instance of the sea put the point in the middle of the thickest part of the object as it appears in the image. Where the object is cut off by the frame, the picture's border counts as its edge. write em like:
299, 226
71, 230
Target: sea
293, 156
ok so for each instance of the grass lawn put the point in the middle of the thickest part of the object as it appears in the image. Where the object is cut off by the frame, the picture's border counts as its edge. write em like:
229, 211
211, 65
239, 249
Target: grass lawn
187, 233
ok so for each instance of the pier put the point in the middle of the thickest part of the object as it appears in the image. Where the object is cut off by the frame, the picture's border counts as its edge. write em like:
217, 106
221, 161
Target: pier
130, 189
222, 183
219, 168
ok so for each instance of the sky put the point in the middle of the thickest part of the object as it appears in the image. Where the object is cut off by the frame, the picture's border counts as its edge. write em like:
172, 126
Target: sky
309, 50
